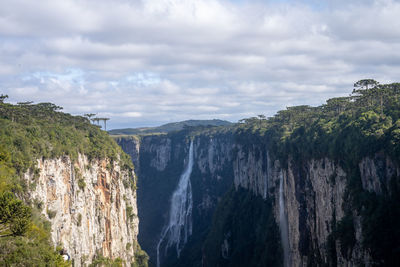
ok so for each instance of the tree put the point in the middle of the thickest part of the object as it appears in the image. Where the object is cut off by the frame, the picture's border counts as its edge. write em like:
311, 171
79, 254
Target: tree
105, 122
2, 98
15, 216
95, 120
89, 115
101, 119
26, 103
48, 107
337, 104
365, 84
362, 90
261, 117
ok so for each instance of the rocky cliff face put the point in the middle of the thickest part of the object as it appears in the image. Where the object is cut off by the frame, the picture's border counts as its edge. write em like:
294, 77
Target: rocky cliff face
314, 193
310, 197
91, 207
131, 145
161, 161
376, 173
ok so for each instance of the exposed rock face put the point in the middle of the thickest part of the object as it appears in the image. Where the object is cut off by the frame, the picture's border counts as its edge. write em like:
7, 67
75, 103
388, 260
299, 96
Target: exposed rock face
131, 145
313, 191
313, 201
252, 170
213, 160
162, 151
313, 198
88, 204
212, 154
376, 173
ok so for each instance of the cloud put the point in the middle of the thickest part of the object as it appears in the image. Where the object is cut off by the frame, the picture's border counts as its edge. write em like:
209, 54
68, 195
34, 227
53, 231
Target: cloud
156, 61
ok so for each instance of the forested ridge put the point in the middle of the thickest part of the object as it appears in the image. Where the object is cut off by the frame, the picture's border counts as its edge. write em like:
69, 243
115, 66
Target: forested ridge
369, 116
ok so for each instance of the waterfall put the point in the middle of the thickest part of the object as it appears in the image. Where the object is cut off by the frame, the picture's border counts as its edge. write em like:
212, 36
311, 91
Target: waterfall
179, 226
283, 224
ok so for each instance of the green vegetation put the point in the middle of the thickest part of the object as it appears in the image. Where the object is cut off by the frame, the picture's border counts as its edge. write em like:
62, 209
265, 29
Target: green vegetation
141, 257
29, 132
345, 129
79, 220
14, 215
169, 127
25, 238
246, 224
129, 213
81, 183
51, 213
354, 126
100, 261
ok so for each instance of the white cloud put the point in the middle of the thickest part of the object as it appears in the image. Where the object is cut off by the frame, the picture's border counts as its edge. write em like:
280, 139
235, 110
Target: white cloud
154, 61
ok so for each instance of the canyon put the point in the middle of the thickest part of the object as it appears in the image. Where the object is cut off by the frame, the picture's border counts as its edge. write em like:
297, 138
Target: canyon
307, 198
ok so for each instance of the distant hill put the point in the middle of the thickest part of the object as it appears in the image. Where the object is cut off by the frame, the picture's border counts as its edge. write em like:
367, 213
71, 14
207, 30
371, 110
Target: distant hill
169, 127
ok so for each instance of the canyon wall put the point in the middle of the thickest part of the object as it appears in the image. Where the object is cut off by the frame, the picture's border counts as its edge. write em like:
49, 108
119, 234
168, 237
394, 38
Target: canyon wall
315, 203
162, 160
314, 192
91, 206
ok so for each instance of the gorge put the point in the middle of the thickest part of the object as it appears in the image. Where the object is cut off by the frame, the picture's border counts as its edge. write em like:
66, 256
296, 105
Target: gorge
179, 226
308, 187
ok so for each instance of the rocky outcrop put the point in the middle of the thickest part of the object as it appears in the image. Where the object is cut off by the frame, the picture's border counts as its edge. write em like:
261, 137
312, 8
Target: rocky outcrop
91, 206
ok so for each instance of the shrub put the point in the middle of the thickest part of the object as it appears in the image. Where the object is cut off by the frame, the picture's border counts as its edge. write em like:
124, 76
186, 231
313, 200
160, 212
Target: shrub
81, 183
79, 220
51, 213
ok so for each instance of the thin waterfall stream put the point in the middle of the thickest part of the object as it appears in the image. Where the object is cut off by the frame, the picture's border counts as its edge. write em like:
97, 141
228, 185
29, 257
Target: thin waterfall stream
283, 225
179, 226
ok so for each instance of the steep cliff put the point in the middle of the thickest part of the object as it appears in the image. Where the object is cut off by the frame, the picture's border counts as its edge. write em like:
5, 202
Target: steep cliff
311, 201
131, 146
332, 174
314, 193
323, 226
78, 191
162, 159
91, 207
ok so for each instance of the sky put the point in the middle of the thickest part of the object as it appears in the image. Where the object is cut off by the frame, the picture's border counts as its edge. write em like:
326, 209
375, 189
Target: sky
149, 62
